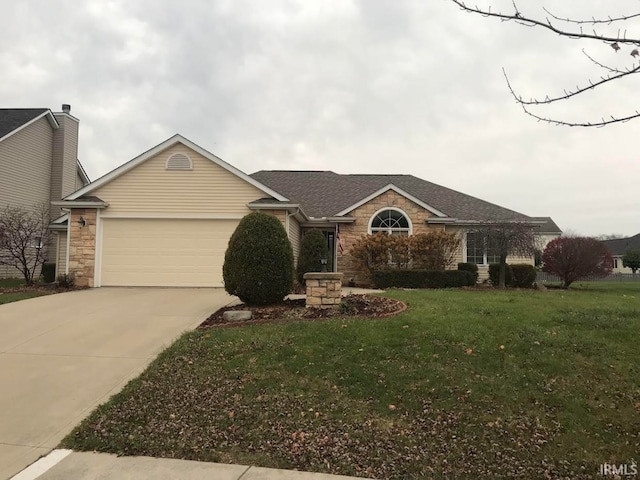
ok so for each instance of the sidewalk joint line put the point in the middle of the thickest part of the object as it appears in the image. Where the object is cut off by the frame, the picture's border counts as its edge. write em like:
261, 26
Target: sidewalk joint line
244, 473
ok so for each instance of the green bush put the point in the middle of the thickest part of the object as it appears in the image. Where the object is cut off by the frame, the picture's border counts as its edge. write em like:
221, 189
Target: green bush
494, 275
48, 272
423, 278
469, 267
312, 248
524, 275
258, 263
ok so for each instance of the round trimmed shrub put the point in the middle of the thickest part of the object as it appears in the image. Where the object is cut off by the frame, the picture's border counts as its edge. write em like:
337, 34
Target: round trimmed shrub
312, 248
258, 263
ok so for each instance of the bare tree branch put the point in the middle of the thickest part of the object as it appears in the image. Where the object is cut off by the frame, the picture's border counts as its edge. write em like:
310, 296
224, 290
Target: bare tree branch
593, 21
558, 25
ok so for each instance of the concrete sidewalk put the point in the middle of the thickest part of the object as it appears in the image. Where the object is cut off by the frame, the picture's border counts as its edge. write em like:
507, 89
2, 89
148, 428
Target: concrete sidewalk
101, 466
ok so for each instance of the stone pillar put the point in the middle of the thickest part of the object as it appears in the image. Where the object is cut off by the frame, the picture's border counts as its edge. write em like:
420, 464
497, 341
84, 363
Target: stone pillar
82, 245
324, 289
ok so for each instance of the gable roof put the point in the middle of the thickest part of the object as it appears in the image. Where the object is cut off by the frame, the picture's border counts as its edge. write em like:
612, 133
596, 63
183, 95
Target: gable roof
619, 246
547, 225
328, 194
13, 120
122, 169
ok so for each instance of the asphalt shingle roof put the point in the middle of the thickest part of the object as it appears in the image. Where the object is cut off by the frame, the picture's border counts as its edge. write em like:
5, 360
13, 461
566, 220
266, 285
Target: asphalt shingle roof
325, 193
619, 246
548, 227
12, 118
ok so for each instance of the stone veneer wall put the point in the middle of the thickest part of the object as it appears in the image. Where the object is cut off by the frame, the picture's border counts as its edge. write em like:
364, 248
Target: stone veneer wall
324, 289
82, 246
350, 233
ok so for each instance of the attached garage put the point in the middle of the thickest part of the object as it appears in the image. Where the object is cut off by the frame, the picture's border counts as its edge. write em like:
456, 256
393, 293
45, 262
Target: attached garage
164, 252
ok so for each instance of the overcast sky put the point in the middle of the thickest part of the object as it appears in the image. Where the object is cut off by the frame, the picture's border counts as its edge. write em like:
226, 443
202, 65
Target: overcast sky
354, 86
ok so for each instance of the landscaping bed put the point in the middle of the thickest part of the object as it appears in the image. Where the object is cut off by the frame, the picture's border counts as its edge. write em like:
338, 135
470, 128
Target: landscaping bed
13, 290
370, 306
463, 384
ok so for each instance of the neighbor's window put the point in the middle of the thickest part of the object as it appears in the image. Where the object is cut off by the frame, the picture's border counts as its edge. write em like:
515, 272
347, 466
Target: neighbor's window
391, 222
478, 252
615, 263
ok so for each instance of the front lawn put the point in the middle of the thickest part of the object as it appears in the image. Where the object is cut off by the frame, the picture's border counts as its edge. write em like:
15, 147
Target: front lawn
13, 290
464, 384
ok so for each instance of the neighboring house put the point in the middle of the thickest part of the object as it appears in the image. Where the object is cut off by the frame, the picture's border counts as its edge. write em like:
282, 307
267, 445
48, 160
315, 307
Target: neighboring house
618, 247
165, 217
38, 161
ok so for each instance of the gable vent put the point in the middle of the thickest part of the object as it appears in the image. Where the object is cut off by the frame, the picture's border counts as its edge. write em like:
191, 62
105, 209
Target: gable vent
179, 161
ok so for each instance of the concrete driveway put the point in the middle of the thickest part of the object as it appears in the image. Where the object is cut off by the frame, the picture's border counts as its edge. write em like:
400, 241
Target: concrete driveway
62, 355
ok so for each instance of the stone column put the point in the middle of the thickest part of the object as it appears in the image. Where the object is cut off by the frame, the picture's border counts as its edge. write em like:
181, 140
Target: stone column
82, 245
324, 289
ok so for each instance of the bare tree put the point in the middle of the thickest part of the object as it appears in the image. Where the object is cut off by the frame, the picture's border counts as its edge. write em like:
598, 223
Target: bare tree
24, 235
507, 238
592, 29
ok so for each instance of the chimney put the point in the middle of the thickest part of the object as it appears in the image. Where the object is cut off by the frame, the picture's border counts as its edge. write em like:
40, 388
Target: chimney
66, 108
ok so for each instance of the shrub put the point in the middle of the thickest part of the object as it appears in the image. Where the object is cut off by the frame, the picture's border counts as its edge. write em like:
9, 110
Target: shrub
434, 250
469, 267
258, 263
575, 258
423, 278
523, 275
48, 272
312, 248
66, 281
494, 275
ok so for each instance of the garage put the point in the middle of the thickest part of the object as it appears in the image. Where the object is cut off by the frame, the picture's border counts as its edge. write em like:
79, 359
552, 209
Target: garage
164, 252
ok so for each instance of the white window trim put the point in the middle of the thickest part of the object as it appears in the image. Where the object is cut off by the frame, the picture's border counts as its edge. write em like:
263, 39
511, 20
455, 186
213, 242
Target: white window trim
465, 256
410, 230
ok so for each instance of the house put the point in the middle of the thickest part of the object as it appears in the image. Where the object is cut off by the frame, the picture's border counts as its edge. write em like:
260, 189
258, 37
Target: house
38, 160
618, 247
165, 217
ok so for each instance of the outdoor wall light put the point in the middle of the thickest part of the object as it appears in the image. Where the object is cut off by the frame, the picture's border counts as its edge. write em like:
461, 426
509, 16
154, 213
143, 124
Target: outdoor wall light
323, 262
82, 222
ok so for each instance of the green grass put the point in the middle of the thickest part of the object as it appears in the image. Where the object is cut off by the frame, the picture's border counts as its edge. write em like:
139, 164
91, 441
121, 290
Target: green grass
15, 297
11, 283
428, 393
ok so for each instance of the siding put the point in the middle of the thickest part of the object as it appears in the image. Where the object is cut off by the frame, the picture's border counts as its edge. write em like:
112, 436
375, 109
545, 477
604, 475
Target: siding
64, 160
61, 261
25, 165
149, 189
294, 237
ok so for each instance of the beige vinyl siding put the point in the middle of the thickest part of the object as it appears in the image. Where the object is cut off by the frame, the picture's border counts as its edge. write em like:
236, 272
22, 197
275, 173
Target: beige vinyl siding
65, 157
459, 258
61, 260
164, 253
79, 182
294, 237
150, 189
25, 165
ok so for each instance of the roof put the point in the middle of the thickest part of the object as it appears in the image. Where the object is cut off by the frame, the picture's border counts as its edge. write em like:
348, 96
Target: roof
549, 226
326, 194
619, 246
14, 118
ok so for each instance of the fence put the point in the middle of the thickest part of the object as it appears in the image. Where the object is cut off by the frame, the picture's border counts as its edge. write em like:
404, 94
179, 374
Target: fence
614, 277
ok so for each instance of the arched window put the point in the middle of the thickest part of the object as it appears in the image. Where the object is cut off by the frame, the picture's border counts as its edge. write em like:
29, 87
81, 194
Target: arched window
391, 221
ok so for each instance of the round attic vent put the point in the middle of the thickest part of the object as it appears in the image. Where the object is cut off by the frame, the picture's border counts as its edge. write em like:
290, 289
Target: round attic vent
179, 161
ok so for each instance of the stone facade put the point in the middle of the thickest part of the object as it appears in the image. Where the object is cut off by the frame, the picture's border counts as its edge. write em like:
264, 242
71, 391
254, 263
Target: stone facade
350, 233
82, 246
324, 289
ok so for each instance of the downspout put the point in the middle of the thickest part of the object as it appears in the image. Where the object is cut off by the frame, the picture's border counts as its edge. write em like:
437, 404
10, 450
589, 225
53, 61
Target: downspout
66, 266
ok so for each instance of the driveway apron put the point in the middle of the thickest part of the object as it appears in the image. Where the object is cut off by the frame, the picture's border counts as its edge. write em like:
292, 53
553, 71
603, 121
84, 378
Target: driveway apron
62, 355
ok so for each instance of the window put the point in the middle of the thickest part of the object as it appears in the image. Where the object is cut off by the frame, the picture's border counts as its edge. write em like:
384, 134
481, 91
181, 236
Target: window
478, 252
391, 221
615, 263
36, 242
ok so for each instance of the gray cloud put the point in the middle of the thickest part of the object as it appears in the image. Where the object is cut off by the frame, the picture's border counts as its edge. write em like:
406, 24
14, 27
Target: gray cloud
360, 86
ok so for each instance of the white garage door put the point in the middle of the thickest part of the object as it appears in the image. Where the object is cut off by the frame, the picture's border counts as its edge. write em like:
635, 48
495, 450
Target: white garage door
164, 253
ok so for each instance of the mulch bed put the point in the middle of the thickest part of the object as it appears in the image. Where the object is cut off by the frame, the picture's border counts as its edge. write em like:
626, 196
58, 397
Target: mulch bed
369, 306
